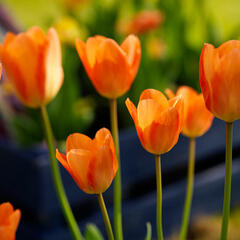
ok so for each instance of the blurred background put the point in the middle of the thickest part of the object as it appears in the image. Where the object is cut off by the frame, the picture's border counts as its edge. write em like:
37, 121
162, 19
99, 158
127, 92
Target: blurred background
172, 33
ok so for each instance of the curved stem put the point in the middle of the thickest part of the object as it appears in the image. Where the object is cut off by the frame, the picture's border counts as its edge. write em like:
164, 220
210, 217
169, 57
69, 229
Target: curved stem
57, 178
189, 193
117, 198
227, 186
105, 217
159, 197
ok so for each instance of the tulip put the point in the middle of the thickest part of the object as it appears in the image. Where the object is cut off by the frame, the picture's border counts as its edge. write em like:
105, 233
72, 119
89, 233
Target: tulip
196, 121
110, 67
219, 72
158, 121
142, 22
32, 62
91, 163
196, 118
9, 220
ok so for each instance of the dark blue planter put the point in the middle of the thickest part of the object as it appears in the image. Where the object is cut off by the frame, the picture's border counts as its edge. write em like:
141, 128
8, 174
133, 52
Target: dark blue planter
28, 184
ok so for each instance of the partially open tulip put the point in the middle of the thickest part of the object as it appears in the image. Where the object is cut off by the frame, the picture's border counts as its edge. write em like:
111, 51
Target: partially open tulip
196, 119
110, 67
9, 220
158, 121
91, 163
219, 72
32, 62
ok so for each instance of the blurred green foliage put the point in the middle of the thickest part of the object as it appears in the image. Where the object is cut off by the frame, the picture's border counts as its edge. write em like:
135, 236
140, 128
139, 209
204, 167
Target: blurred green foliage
170, 53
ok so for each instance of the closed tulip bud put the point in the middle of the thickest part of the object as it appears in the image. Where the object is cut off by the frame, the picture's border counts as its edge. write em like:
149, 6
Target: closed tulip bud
196, 118
9, 220
32, 62
91, 163
219, 73
110, 67
158, 121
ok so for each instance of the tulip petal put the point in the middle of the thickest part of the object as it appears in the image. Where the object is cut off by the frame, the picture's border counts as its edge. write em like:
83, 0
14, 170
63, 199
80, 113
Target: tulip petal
81, 49
79, 141
206, 72
169, 93
155, 95
6, 210
92, 46
131, 46
82, 166
105, 168
14, 219
163, 134
22, 47
104, 139
63, 160
37, 35
53, 66
111, 59
147, 111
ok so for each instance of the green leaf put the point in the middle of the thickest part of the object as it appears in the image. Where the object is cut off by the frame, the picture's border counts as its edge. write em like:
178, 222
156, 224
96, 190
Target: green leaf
149, 231
93, 233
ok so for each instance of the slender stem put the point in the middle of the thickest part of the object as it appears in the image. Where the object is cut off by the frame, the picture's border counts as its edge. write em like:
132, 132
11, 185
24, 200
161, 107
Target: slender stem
189, 193
57, 178
105, 217
159, 197
117, 198
227, 186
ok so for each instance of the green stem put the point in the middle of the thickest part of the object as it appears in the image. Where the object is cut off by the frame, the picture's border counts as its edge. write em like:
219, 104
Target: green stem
189, 193
228, 176
159, 197
105, 217
57, 178
117, 198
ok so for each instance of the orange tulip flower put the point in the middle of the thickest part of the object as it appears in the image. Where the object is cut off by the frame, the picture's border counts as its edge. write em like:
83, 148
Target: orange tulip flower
91, 163
219, 72
196, 119
158, 121
9, 220
110, 67
32, 62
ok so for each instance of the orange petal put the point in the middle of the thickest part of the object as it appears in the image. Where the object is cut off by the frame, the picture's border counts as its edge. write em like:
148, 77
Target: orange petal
79, 161
206, 72
147, 111
155, 95
104, 139
163, 134
22, 47
131, 46
198, 119
63, 160
169, 93
15, 219
111, 72
81, 49
53, 66
6, 209
105, 168
79, 141
92, 46
37, 35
